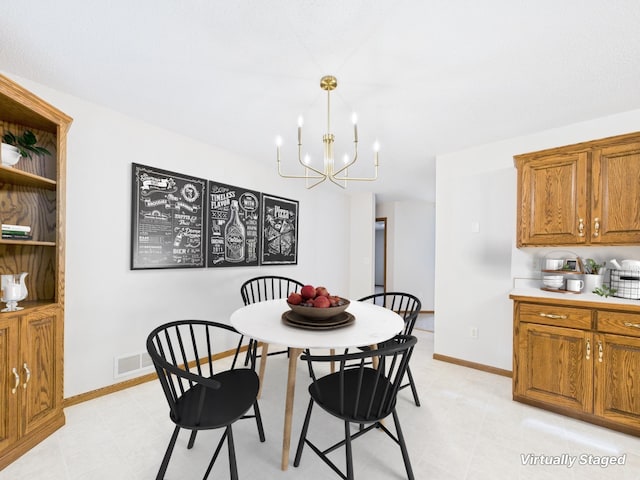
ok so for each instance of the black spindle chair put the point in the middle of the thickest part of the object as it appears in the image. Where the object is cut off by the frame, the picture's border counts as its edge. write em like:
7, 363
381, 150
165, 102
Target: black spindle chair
363, 392
408, 307
259, 289
200, 396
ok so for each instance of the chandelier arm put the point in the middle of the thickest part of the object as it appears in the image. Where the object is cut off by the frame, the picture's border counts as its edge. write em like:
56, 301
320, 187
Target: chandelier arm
333, 179
301, 162
361, 179
355, 157
309, 187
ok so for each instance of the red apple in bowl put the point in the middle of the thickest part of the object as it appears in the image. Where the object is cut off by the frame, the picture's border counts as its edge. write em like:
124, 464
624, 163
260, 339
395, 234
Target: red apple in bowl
322, 292
321, 302
294, 298
308, 291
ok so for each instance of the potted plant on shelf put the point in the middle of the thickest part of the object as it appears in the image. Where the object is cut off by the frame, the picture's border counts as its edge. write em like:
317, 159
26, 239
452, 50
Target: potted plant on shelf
25, 145
593, 275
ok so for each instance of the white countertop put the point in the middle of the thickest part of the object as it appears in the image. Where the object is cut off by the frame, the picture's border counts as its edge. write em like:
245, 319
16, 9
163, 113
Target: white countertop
574, 297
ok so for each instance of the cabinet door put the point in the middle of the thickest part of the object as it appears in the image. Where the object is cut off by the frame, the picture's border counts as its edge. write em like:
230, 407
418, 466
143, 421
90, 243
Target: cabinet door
552, 200
39, 369
617, 384
555, 366
615, 198
8, 381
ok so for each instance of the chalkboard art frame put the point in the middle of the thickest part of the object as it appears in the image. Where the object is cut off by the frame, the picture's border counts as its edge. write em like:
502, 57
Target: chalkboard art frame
167, 219
279, 244
234, 228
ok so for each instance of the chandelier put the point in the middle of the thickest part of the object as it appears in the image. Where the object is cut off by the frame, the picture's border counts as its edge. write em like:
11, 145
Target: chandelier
339, 175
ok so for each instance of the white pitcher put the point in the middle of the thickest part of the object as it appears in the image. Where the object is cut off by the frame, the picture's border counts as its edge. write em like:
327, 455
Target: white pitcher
13, 290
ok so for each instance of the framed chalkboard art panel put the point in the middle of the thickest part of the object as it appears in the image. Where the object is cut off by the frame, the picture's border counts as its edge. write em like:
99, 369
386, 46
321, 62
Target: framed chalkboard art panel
233, 233
168, 219
279, 231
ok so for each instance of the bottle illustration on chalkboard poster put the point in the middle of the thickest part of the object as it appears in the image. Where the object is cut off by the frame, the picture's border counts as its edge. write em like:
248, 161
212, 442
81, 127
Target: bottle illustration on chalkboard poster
234, 223
234, 237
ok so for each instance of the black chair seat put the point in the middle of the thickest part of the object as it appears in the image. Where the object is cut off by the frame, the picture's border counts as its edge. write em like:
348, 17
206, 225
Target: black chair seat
236, 395
326, 393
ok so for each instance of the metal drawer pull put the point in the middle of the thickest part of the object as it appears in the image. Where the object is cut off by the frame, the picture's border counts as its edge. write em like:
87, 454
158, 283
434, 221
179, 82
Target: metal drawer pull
581, 227
28, 372
17, 379
629, 324
552, 315
600, 352
596, 227
588, 349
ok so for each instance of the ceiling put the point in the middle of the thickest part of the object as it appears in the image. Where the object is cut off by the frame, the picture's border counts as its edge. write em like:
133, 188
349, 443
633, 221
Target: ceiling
424, 76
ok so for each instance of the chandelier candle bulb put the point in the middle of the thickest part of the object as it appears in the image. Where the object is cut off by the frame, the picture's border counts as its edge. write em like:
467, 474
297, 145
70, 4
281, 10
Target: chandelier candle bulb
354, 119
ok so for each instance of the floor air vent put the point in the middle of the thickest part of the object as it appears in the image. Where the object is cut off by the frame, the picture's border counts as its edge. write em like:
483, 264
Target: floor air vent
134, 363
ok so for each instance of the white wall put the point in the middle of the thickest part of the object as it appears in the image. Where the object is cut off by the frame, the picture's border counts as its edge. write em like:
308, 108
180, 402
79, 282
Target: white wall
361, 264
111, 309
410, 248
475, 270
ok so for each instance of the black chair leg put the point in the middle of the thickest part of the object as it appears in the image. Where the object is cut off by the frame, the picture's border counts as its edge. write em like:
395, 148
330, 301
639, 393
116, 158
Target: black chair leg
235, 356
215, 454
303, 434
403, 446
347, 447
256, 411
233, 467
413, 387
167, 454
247, 355
192, 438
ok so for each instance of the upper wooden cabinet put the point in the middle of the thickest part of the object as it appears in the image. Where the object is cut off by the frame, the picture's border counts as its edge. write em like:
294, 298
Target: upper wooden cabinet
588, 194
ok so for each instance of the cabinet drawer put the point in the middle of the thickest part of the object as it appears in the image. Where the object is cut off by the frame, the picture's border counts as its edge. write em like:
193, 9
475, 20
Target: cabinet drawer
555, 315
618, 322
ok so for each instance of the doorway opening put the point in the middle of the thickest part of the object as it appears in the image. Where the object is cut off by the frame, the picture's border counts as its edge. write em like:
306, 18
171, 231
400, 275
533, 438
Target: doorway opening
380, 260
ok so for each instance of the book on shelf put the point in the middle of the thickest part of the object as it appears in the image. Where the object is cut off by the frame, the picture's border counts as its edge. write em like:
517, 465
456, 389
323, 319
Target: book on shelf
14, 236
7, 227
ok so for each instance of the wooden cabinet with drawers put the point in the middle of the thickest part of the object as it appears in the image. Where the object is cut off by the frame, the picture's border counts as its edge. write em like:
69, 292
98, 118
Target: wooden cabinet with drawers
583, 194
32, 193
578, 358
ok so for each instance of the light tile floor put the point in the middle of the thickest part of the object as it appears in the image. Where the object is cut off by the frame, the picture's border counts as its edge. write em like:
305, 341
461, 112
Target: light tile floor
467, 428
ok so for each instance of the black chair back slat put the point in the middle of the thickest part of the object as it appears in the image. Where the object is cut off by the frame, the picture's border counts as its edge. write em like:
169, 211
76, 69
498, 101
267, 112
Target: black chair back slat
268, 287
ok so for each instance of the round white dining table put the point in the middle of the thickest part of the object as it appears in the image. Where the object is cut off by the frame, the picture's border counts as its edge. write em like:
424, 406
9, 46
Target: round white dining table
262, 321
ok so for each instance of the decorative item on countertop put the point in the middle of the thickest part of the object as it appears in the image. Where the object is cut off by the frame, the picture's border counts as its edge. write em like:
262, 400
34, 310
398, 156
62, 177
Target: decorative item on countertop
13, 291
625, 283
593, 268
604, 291
25, 145
593, 276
